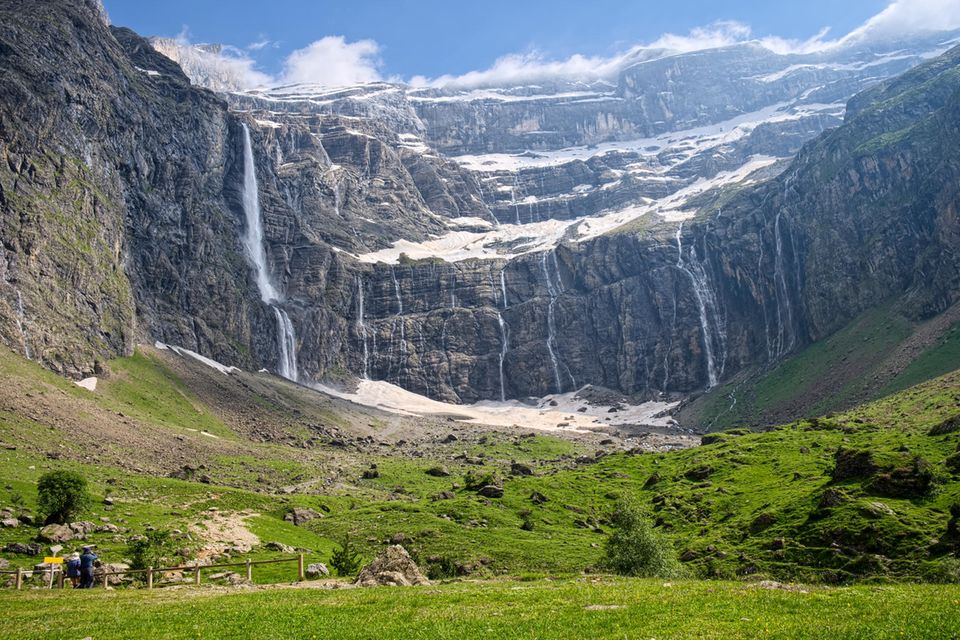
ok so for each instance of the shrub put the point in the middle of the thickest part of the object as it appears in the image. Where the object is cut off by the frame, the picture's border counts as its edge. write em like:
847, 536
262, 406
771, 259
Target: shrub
345, 559
61, 495
635, 549
476, 481
150, 550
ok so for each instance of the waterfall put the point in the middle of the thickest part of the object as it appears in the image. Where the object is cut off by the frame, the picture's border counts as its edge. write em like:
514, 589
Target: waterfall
398, 318
22, 327
253, 246
703, 294
503, 288
553, 292
362, 328
504, 345
780, 281
288, 346
513, 197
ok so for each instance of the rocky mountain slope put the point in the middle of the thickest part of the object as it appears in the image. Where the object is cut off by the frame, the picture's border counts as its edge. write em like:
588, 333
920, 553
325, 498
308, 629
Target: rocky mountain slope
648, 233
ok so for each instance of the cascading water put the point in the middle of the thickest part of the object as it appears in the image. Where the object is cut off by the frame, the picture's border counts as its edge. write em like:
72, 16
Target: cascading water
504, 346
513, 197
703, 294
784, 307
553, 292
503, 289
362, 328
22, 327
399, 319
253, 245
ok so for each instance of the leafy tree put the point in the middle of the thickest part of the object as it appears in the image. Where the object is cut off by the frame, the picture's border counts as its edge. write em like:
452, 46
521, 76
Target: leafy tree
345, 559
61, 495
150, 550
635, 549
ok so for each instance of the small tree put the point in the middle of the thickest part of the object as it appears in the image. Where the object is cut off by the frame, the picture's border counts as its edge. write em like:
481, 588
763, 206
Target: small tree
61, 495
150, 550
635, 549
346, 559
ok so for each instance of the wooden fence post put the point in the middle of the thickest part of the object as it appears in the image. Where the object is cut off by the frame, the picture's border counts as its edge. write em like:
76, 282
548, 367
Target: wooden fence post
301, 576
106, 579
249, 571
149, 577
197, 579
19, 579
61, 583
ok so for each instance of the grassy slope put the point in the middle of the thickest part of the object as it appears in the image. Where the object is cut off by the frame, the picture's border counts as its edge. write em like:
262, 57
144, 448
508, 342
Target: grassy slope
582, 608
779, 475
848, 368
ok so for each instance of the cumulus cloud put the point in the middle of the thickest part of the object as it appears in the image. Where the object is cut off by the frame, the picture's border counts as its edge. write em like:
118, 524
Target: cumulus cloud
332, 61
910, 16
221, 68
899, 18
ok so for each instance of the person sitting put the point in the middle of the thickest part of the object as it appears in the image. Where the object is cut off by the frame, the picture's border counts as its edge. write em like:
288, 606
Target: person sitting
73, 569
87, 558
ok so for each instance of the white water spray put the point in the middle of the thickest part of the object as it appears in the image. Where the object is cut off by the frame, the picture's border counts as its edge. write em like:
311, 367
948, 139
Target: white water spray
504, 346
503, 289
253, 245
702, 293
553, 292
362, 328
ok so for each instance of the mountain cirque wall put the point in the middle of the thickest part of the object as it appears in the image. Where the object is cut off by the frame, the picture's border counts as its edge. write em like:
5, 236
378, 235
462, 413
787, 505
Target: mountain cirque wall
122, 221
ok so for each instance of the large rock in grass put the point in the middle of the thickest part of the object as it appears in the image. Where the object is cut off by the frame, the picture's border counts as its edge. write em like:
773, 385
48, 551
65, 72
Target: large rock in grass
301, 516
56, 533
393, 568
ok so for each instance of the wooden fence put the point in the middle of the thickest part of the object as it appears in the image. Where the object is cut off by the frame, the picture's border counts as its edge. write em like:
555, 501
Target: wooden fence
152, 572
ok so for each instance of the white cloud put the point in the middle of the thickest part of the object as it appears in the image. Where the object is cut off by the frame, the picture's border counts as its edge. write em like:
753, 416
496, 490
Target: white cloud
221, 68
910, 16
899, 18
332, 61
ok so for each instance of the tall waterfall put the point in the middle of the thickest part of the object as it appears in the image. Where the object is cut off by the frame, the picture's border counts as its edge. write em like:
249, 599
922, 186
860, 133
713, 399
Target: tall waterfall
504, 345
362, 328
399, 319
706, 302
253, 245
784, 308
503, 289
22, 327
553, 291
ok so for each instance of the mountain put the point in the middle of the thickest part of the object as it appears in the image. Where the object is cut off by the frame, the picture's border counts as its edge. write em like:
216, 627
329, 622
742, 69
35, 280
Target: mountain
694, 219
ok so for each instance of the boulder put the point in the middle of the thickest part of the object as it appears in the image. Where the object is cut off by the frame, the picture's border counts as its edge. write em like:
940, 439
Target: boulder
438, 472
112, 580
10, 523
31, 549
82, 528
56, 533
317, 569
699, 473
26, 518
519, 469
301, 516
393, 567
279, 546
851, 464
491, 491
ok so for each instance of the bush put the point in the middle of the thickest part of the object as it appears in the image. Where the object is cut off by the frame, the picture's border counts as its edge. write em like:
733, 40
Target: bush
150, 550
345, 559
474, 481
61, 495
635, 549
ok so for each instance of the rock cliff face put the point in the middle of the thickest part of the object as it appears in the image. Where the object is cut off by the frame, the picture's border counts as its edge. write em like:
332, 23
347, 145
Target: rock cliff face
683, 247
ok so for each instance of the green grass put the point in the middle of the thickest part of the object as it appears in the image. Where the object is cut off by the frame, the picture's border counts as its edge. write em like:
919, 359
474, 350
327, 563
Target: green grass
941, 359
585, 608
795, 386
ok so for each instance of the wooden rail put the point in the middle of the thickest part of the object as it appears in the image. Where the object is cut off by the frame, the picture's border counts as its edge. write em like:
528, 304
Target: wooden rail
151, 572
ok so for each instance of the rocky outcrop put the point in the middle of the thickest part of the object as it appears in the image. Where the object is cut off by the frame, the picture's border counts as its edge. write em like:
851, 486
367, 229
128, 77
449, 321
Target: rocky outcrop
392, 568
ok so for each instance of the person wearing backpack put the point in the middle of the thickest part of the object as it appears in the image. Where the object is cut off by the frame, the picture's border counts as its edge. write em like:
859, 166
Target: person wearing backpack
73, 569
87, 558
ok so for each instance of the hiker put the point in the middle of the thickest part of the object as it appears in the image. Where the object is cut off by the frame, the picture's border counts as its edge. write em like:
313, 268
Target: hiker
86, 568
73, 569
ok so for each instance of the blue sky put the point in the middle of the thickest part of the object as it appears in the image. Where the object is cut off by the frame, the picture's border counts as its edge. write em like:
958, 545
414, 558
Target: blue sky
436, 37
